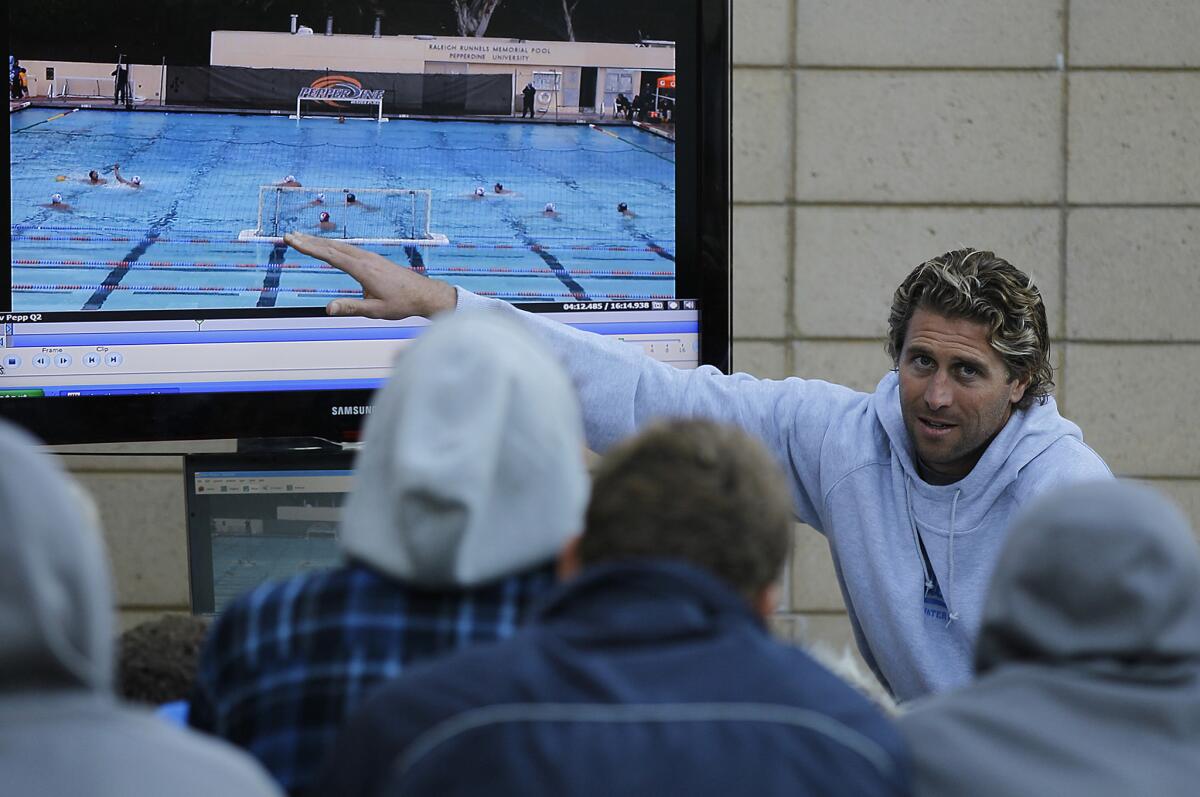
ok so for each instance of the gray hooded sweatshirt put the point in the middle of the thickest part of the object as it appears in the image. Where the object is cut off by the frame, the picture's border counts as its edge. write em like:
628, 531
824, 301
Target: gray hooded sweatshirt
853, 479
62, 732
1088, 660
472, 466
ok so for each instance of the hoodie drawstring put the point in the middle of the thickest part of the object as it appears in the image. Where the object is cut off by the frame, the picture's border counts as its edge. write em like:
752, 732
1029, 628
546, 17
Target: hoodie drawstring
947, 595
912, 525
953, 615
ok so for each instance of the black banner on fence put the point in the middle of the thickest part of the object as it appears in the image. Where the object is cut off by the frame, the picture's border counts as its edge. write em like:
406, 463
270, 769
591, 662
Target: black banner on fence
276, 89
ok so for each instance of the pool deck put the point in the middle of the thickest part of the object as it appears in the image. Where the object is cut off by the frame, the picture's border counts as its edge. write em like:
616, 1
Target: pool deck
562, 118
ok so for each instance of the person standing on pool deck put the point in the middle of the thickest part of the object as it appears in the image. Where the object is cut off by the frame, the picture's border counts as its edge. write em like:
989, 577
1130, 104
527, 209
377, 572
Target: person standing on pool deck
527, 100
121, 89
132, 182
914, 485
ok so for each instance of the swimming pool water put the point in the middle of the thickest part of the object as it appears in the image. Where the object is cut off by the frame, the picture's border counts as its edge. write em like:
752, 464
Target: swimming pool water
172, 244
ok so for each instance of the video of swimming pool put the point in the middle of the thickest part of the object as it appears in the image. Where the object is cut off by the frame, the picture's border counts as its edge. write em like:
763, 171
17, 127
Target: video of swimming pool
169, 210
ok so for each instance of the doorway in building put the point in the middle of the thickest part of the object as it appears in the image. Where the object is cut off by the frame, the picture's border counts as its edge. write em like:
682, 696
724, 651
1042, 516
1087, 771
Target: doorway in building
587, 88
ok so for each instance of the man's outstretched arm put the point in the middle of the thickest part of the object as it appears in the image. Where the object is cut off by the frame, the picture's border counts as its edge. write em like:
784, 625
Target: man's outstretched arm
620, 388
389, 291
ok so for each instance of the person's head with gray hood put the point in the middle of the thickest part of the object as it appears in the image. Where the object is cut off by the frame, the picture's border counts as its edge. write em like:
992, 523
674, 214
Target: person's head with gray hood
56, 628
62, 731
1103, 578
1088, 659
472, 465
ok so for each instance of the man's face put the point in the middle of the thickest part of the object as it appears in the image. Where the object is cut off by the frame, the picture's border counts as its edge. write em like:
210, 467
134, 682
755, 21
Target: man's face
955, 394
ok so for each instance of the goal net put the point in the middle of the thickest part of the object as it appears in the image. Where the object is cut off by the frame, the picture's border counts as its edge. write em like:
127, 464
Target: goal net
355, 215
88, 87
546, 86
340, 102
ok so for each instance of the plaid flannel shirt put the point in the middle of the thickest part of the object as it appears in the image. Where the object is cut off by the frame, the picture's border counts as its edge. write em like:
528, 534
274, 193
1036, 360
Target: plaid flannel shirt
286, 662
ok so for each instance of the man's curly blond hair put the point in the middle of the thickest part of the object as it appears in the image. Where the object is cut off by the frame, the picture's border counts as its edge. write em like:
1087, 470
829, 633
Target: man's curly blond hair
981, 287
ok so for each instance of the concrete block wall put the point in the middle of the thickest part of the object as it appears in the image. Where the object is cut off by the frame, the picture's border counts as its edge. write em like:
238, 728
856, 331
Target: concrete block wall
870, 135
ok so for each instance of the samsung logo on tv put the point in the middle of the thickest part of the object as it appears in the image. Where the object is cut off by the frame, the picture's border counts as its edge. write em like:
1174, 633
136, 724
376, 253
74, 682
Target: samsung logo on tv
350, 410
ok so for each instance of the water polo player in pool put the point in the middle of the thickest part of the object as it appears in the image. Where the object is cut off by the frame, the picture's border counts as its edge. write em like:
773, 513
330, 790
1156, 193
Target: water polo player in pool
132, 182
57, 203
352, 200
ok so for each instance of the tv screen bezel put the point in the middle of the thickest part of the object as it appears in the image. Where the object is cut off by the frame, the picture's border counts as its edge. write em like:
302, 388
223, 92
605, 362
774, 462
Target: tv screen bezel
703, 235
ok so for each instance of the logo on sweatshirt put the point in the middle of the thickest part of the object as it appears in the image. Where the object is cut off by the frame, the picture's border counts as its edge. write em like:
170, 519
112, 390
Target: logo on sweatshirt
935, 604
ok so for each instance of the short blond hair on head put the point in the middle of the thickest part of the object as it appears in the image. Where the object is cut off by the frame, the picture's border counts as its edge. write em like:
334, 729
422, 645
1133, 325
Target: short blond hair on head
978, 286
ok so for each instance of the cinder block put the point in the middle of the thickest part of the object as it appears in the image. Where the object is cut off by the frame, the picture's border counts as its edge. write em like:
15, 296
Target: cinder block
146, 533
974, 33
1186, 493
928, 137
762, 135
1134, 137
831, 636
849, 261
763, 359
760, 271
1133, 274
1136, 405
858, 365
814, 582
1146, 33
165, 451
101, 463
762, 32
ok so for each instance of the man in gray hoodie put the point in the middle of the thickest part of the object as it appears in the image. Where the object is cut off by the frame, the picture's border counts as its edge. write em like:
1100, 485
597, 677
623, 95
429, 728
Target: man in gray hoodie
913, 485
471, 479
1088, 661
62, 730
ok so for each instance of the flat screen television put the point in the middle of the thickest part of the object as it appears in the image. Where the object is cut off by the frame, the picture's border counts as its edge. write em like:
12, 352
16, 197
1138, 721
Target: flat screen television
166, 308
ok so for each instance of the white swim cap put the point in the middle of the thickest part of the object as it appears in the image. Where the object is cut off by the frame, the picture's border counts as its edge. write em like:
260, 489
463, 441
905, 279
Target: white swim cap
549, 207
320, 197
479, 190
55, 199
135, 180
291, 178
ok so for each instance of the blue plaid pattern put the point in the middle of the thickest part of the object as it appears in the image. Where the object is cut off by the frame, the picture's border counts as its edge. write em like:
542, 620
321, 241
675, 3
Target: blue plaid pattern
286, 662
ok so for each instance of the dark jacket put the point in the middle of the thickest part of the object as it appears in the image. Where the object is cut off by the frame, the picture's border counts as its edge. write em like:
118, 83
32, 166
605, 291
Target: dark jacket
1088, 660
638, 678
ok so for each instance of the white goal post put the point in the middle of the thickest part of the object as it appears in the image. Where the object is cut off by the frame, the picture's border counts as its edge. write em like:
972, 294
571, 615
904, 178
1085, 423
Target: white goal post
90, 86
353, 215
341, 94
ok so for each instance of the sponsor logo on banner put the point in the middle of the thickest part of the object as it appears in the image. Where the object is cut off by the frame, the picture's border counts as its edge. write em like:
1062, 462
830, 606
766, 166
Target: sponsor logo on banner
334, 90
